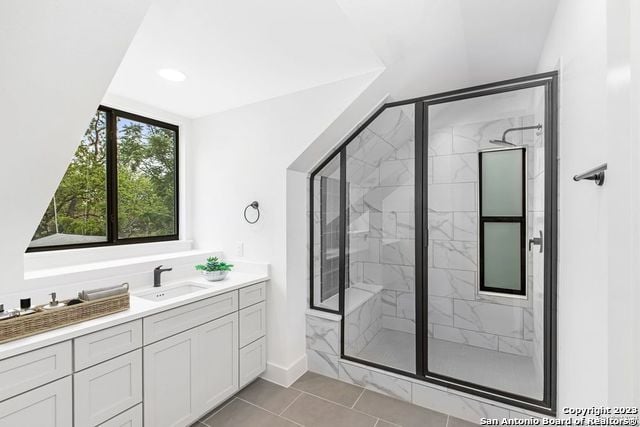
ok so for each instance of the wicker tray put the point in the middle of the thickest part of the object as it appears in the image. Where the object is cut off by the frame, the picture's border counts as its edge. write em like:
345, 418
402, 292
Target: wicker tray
45, 320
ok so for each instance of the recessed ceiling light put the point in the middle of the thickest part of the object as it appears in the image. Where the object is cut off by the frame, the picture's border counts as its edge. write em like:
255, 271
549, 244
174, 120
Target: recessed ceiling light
172, 75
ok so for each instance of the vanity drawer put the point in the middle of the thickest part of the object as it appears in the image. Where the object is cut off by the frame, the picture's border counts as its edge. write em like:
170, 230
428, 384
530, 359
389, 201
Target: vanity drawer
253, 294
107, 389
129, 418
47, 406
252, 323
105, 344
30, 370
180, 319
253, 361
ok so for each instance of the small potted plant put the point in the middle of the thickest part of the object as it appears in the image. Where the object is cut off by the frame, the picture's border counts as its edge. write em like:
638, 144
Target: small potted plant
214, 270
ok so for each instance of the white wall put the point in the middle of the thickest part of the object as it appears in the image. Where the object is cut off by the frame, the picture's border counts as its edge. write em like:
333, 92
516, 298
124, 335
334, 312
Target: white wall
589, 42
58, 59
242, 155
622, 218
634, 17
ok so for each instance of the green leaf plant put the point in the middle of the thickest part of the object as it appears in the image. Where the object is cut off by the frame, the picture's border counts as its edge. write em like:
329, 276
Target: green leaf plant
214, 264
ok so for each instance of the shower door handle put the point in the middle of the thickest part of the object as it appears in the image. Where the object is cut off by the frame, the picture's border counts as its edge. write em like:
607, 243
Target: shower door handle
425, 237
536, 241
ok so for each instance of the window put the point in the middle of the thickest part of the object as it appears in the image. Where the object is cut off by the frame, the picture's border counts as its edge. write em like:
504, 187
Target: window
502, 221
121, 186
326, 236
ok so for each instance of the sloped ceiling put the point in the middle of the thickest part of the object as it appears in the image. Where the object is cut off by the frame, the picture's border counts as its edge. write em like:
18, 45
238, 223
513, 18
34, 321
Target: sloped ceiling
431, 46
421, 42
238, 52
504, 38
58, 60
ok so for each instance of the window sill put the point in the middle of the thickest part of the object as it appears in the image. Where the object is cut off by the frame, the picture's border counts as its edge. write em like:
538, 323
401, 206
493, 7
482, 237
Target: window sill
38, 264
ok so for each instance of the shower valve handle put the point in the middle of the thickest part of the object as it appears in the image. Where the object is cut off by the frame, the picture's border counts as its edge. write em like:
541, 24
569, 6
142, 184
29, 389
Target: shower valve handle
536, 241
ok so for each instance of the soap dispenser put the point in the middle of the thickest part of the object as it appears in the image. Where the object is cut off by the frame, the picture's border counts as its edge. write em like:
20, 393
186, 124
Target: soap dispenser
54, 303
7, 314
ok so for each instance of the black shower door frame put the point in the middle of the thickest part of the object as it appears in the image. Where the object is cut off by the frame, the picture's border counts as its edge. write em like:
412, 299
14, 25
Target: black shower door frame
549, 81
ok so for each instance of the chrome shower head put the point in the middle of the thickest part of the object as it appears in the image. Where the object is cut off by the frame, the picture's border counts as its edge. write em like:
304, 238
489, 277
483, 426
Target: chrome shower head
504, 141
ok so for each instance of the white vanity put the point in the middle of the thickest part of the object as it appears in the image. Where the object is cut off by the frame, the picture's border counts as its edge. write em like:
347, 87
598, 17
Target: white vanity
161, 363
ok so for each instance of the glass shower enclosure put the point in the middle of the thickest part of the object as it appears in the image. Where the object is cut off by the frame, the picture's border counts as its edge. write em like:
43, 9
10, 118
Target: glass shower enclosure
434, 236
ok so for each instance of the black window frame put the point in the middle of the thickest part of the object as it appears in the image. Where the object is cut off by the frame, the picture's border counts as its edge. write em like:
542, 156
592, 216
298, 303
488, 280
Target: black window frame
314, 305
111, 164
522, 220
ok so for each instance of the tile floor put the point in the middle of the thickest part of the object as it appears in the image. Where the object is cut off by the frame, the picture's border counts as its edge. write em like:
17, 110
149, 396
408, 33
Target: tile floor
502, 371
318, 401
391, 348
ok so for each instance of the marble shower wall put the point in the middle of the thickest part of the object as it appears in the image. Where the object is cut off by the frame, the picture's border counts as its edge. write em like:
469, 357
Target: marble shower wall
456, 311
381, 224
535, 220
364, 317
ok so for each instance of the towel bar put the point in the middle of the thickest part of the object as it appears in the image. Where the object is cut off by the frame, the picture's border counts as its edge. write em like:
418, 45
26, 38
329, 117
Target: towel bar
596, 174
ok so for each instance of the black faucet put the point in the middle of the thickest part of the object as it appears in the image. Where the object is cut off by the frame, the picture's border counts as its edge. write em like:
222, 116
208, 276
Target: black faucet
156, 275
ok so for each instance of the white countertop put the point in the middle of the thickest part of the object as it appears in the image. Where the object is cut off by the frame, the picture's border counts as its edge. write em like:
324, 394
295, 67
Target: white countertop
138, 309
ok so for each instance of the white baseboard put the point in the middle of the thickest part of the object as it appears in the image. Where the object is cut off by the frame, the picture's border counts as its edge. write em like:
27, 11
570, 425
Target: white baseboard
286, 376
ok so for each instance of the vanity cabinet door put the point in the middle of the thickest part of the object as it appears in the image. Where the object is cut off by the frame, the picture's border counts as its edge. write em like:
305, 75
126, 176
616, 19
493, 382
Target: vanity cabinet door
46, 406
107, 389
217, 361
253, 361
169, 380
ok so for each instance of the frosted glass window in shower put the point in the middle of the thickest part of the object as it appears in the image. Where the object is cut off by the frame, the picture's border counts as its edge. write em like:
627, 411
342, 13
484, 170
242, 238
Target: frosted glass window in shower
502, 220
326, 236
502, 174
502, 263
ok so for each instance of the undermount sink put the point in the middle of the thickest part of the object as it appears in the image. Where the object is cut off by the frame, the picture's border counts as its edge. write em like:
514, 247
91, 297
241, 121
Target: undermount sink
162, 293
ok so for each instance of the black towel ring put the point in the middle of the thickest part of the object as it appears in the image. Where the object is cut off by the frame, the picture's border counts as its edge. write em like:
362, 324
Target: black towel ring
255, 206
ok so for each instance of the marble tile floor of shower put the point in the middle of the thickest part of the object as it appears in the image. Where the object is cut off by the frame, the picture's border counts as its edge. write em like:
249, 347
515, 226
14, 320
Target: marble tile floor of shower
391, 348
502, 371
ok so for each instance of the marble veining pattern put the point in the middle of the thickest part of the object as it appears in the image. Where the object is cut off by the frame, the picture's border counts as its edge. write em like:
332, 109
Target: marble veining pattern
463, 336
399, 324
323, 335
452, 283
405, 225
515, 346
455, 168
398, 251
376, 381
458, 197
440, 310
486, 317
465, 226
390, 276
389, 302
440, 225
462, 407
323, 363
455, 255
